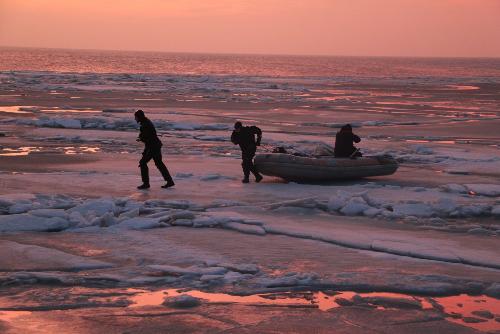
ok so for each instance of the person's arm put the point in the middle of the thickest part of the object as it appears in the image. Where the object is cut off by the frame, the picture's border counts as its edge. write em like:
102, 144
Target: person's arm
141, 134
148, 132
355, 138
234, 138
257, 131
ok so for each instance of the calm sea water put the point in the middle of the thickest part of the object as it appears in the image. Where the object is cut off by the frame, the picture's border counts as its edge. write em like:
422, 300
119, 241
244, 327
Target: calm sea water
58, 60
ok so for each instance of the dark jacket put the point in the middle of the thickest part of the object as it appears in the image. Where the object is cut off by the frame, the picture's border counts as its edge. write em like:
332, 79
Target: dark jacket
246, 138
148, 135
344, 143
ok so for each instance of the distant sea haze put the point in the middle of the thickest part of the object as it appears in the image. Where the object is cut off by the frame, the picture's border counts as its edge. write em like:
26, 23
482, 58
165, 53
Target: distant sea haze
59, 60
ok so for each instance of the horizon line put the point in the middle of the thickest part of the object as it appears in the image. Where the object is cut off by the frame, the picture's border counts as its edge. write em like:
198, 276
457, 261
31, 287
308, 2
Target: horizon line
250, 54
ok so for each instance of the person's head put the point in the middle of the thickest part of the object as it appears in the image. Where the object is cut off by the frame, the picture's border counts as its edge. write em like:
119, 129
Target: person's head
238, 126
139, 116
346, 128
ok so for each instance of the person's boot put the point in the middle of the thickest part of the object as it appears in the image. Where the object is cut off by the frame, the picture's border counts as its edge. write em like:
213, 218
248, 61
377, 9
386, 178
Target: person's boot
168, 185
143, 186
245, 180
258, 177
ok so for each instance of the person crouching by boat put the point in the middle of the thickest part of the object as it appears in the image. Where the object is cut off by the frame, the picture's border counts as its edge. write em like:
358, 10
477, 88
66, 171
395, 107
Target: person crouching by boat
152, 150
344, 143
245, 137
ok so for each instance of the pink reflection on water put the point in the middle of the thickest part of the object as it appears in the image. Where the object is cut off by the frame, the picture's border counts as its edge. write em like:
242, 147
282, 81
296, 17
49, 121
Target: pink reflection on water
11, 315
455, 308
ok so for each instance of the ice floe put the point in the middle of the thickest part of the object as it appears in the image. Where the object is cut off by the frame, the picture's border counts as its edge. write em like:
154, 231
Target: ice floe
22, 257
26, 222
41, 213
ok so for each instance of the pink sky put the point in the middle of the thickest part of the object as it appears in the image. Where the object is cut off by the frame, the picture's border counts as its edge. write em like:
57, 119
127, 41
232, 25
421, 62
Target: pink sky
331, 27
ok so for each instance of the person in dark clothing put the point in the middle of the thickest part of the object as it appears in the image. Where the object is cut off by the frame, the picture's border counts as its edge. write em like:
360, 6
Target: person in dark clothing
152, 150
245, 137
344, 143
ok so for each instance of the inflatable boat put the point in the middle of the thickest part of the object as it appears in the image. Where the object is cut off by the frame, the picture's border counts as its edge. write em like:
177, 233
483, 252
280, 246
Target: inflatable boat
323, 169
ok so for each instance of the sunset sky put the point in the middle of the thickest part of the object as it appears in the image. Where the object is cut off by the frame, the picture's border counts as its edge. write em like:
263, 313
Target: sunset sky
324, 27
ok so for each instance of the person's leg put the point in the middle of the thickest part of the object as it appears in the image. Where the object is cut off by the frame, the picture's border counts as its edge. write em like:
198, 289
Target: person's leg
143, 164
162, 168
246, 165
251, 166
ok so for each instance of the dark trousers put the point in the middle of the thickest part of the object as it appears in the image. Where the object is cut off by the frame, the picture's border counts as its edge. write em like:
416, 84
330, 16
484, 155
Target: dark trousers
155, 154
247, 164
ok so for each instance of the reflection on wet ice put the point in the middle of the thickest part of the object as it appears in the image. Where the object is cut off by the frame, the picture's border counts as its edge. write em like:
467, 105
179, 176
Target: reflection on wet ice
478, 312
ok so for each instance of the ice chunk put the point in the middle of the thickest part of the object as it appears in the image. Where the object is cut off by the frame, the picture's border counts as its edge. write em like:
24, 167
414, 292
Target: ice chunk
479, 231
290, 279
211, 138
190, 271
98, 206
338, 201
413, 209
372, 212
26, 222
106, 220
174, 270
210, 278
483, 314
78, 220
183, 175
445, 206
436, 221
140, 223
354, 207
474, 210
232, 277
17, 257
4, 203
59, 122
130, 213
454, 188
182, 301
171, 218
212, 271
182, 222
241, 268
68, 123
20, 208
492, 190
214, 176
205, 222
48, 213
493, 290
421, 149
244, 228
388, 302
473, 320
307, 203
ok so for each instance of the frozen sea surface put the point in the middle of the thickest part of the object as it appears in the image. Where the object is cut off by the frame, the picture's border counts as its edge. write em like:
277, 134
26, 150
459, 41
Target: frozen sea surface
76, 237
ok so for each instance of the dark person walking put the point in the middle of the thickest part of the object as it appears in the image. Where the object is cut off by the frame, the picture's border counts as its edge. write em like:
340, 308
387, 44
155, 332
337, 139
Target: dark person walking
152, 150
245, 137
344, 143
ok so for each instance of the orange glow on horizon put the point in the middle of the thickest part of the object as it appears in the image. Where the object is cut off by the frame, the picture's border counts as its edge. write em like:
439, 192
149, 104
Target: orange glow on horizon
333, 27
